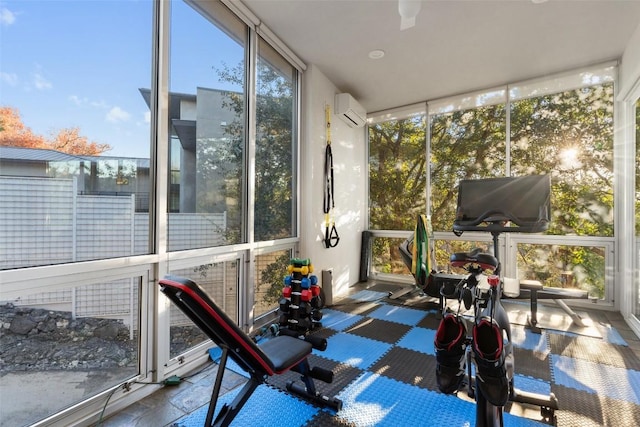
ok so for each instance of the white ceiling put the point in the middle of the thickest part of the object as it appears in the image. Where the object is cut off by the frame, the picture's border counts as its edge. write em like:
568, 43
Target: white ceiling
456, 46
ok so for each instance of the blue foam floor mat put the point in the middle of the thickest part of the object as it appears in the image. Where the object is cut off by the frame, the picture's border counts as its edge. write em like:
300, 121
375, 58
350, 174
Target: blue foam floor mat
267, 406
354, 350
376, 395
374, 400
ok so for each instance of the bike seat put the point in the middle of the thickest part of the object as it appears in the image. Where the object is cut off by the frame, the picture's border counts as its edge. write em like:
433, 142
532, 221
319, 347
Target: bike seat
484, 260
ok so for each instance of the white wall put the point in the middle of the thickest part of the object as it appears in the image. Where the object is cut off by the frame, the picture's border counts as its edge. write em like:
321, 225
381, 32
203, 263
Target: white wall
628, 248
630, 65
350, 173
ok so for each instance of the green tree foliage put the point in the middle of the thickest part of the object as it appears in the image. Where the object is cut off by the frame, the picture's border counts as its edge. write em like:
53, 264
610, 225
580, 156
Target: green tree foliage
274, 150
272, 278
468, 144
274, 154
568, 135
397, 173
397, 184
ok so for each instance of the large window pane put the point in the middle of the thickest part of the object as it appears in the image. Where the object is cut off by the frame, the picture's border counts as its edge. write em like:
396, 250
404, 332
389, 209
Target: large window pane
220, 281
637, 211
206, 127
74, 131
271, 268
570, 136
564, 266
444, 248
386, 257
275, 145
466, 144
65, 346
397, 186
397, 173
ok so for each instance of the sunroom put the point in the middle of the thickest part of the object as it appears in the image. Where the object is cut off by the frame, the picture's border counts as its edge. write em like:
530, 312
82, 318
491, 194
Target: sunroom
141, 139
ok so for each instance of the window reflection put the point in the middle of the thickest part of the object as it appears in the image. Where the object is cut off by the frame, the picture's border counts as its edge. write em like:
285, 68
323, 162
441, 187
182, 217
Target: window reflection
207, 128
220, 281
275, 145
74, 145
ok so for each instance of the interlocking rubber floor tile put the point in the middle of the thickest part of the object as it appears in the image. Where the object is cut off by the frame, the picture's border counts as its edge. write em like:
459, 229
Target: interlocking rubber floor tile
380, 330
367, 295
532, 385
267, 406
579, 408
408, 366
391, 313
594, 350
338, 320
355, 351
532, 364
610, 381
524, 338
382, 356
374, 400
419, 339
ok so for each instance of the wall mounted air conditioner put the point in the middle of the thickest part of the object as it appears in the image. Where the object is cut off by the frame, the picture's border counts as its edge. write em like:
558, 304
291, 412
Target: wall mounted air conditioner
349, 110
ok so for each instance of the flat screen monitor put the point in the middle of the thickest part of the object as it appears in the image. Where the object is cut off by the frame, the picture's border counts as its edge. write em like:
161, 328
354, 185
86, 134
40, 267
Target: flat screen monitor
504, 204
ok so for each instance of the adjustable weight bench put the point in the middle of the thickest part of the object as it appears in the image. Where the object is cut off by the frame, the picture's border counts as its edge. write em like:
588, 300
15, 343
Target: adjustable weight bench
533, 290
272, 357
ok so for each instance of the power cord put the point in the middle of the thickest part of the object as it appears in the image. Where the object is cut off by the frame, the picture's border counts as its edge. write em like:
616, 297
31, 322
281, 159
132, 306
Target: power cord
171, 381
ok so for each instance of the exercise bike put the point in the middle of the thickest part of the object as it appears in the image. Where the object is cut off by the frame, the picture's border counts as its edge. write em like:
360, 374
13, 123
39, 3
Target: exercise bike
483, 342
495, 205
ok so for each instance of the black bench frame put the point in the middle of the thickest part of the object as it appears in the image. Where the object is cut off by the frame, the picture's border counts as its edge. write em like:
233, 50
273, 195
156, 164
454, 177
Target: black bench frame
272, 357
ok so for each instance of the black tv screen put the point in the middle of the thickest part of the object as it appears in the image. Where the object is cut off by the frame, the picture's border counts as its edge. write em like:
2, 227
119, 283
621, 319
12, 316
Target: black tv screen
510, 203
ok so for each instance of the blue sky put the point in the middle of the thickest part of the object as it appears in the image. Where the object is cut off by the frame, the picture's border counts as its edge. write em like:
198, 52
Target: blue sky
80, 64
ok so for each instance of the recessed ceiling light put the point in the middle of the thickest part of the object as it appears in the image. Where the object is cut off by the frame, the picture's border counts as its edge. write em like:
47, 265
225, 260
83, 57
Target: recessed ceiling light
538, 1
376, 54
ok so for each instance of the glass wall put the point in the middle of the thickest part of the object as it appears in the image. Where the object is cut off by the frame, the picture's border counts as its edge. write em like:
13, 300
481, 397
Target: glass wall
66, 345
220, 281
637, 210
85, 113
568, 135
561, 126
276, 112
397, 184
207, 127
75, 138
465, 144
271, 268
74, 187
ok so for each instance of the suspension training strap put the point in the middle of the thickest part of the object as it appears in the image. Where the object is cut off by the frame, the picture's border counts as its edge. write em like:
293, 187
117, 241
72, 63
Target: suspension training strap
331, 237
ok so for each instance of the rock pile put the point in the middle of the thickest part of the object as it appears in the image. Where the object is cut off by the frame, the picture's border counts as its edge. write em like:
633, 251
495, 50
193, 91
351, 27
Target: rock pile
37, 339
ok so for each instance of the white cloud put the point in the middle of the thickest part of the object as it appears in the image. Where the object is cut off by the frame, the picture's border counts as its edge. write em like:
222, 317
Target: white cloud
7, 17
9, 78
83, 102
76, 100
40, 82
147, 116
99, 104
117, 114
